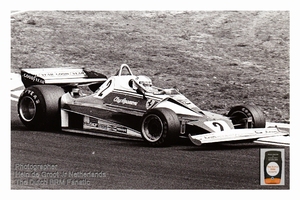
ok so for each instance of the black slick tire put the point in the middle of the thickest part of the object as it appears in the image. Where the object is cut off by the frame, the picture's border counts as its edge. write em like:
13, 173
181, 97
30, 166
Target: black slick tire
160, 127
39, 107
247, 116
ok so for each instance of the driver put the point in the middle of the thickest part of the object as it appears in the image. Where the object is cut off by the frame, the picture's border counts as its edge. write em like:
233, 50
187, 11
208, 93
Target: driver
144, 83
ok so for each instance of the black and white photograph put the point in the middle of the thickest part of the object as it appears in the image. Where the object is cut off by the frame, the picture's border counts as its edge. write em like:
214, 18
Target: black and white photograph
149, 99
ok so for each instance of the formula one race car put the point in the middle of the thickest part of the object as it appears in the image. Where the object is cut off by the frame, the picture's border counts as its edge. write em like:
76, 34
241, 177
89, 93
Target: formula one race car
129, 105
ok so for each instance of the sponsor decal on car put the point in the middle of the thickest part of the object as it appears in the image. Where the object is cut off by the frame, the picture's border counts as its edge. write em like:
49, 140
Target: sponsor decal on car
272, 131
150, 103
56, 73
33, 78
93, 123
64, 74
124, 101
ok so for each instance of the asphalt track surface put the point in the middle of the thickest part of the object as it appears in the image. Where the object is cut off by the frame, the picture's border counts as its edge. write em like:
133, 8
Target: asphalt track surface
73, 161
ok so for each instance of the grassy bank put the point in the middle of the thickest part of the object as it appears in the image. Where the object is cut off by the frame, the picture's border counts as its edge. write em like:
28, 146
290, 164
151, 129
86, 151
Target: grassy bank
216, 59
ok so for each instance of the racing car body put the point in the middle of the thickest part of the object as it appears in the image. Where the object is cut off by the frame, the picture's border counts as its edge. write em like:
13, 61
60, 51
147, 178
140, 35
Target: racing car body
122, 105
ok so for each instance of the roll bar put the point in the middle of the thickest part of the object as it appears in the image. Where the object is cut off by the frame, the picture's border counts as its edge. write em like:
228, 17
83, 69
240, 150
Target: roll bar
119, 73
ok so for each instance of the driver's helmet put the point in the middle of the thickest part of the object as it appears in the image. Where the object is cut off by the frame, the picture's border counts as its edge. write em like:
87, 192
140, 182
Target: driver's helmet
144, 81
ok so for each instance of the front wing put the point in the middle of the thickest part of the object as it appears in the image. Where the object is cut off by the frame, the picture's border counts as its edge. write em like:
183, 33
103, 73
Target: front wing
236, 135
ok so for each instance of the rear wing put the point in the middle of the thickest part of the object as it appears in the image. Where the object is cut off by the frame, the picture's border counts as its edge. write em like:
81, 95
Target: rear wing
60, 76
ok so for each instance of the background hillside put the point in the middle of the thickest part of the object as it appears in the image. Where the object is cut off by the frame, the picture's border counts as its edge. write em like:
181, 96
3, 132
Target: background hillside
216, 58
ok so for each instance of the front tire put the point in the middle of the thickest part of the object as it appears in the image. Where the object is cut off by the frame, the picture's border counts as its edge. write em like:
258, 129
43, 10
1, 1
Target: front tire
247, 116
39, 107
160, 127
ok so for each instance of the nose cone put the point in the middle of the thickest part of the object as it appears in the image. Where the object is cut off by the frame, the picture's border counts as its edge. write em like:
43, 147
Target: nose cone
210, 122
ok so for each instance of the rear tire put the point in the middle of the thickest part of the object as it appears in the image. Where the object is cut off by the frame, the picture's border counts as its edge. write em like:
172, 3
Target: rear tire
247, 116
39, 107
160, 127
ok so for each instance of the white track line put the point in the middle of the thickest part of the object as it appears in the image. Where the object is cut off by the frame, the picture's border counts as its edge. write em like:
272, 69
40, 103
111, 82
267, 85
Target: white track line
18, 12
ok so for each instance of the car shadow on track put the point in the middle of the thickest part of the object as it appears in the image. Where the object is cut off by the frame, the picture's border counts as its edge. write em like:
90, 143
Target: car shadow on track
183, 144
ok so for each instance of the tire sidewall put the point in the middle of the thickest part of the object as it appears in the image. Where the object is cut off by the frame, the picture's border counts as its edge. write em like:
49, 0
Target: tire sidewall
170, 129
39, 101
46, 99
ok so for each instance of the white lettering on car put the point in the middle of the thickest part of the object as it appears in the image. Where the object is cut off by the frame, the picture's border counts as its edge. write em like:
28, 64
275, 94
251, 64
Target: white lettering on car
125, 101
33, 78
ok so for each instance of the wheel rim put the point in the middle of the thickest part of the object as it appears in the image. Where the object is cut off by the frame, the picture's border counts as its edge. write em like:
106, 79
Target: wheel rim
242, 119
152, 128
27, 108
